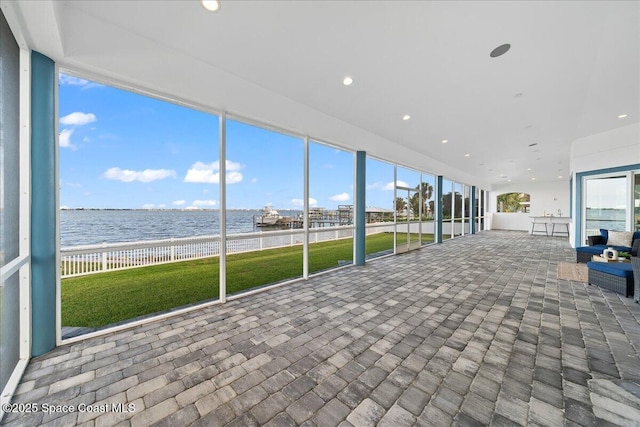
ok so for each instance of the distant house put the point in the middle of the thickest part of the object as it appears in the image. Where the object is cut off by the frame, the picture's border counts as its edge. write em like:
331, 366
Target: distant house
376, 214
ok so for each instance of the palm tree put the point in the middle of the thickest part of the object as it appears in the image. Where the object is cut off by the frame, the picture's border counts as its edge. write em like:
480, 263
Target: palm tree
414, 205
510, 202
426, 190
400, 205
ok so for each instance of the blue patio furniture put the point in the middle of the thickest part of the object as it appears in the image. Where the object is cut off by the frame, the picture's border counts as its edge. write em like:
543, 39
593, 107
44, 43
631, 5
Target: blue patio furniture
635, 264
598, 243
614, 276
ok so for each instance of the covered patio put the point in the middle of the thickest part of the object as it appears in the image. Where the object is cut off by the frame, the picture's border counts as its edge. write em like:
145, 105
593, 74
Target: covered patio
477, 330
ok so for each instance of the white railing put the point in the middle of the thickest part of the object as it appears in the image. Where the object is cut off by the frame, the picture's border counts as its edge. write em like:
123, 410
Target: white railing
91, 259
380, 227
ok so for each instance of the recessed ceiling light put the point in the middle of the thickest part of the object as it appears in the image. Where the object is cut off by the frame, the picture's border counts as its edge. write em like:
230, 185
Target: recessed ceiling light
622, 116
347, 81
533, 179
211, 5
500, 50
508, 180
444, 141
467, 155
406, 117
559, 176
528, 169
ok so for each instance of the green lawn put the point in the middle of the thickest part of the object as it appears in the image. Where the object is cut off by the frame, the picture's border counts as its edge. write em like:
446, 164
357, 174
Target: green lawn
105, 298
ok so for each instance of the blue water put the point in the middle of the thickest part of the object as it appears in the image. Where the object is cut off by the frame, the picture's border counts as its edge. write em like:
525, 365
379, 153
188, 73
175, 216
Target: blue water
86, 227
609, 219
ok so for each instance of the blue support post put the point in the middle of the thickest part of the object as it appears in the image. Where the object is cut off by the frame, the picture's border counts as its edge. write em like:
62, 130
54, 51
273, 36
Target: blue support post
43, 204
360, 208
438, 209
472, 211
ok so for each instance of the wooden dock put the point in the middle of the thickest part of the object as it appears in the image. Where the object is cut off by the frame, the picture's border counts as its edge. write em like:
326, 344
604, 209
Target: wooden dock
318, 217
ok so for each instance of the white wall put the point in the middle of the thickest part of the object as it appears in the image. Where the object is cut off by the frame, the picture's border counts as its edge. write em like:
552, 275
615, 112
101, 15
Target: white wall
546, 197
510, 221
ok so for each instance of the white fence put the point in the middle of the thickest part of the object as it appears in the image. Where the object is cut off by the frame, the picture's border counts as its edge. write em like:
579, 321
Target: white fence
90, 259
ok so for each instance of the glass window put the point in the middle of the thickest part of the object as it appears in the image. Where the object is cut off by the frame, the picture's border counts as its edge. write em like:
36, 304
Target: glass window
9, 201
605, 204
379, 211
331, 208
457, 209
513, 203
9, 147
447, 209
480, 194
466, 201
408, 206
427, 195
264, 207
483, 206
139, 187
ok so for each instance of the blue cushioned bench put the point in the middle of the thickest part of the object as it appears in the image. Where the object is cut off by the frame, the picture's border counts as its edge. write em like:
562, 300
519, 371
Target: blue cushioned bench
597, 244
615, 276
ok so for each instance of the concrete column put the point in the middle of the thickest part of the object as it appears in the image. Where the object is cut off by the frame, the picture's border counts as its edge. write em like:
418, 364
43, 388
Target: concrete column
43, 204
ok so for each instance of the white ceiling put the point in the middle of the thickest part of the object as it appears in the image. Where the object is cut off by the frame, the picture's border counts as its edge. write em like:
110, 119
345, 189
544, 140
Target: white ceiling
573, 67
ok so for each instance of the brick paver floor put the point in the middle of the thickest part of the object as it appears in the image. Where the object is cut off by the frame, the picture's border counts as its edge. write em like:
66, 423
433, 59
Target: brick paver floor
474, 331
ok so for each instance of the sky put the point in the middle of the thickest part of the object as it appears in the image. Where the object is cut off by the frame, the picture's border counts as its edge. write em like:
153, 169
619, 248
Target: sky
127, 151
608, 193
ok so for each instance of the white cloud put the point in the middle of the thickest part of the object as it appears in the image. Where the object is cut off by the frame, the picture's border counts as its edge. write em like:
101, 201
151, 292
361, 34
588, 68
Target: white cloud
65, 139
147, 175
78, 119
342, 197
179, 202
71, 81
209, 173
75, 81
208, 203
234, 177
300, 202
148, 206
254, 180
389, 186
